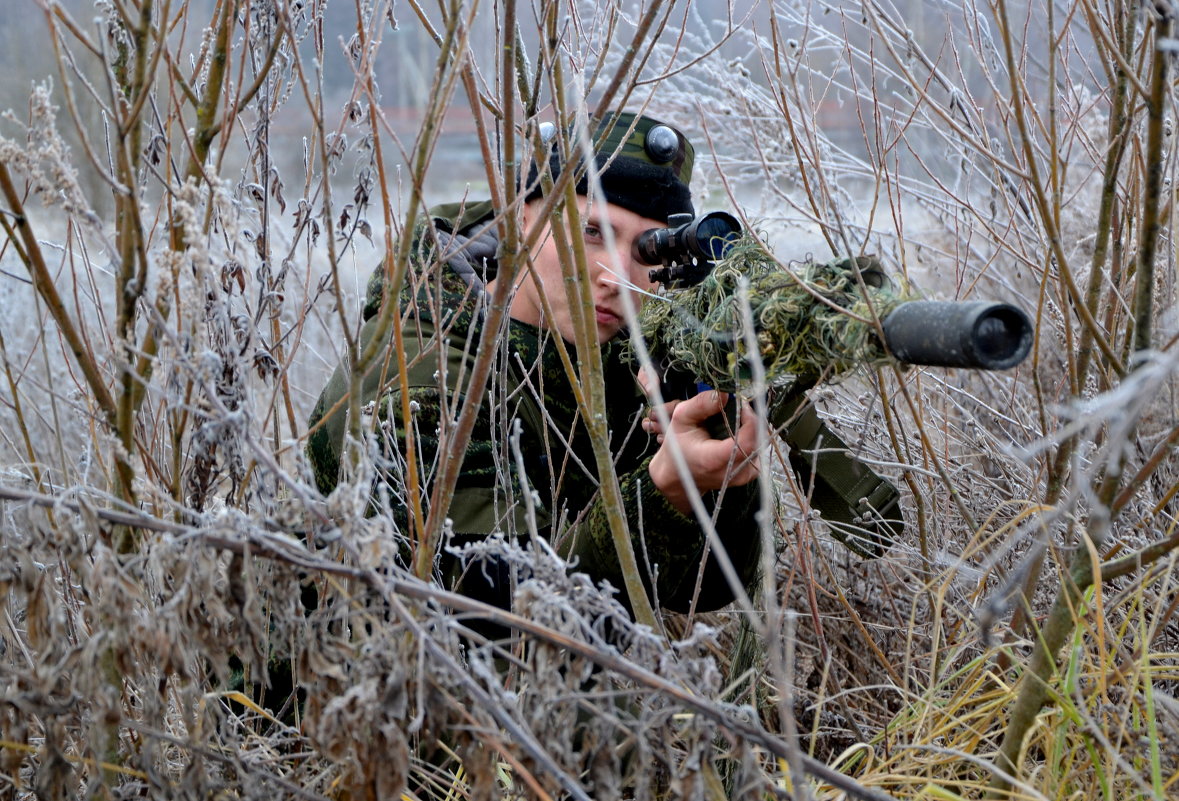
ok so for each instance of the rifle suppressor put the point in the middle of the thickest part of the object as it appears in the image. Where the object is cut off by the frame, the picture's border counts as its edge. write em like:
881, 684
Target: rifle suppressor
980, 335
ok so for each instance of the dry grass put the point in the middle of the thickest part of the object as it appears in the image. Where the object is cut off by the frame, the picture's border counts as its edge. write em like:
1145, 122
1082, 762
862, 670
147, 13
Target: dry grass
165, 558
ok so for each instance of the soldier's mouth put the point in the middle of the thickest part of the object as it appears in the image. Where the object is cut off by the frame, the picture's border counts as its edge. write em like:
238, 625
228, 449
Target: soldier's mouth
606, 316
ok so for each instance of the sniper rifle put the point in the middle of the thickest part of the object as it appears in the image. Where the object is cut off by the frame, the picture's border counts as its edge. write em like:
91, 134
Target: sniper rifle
978, 335
808, 323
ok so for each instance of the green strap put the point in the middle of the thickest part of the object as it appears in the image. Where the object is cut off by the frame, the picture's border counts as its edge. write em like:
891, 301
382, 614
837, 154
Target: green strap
861, 507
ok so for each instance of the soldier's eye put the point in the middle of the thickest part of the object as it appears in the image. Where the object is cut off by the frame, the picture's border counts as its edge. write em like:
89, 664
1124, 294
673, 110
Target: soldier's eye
592, 231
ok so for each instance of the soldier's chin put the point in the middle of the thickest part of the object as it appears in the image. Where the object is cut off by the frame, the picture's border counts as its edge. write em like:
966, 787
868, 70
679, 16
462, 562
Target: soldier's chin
607, 333
608, 325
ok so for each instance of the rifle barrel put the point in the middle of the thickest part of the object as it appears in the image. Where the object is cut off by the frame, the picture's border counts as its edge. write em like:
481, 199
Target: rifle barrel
980, 335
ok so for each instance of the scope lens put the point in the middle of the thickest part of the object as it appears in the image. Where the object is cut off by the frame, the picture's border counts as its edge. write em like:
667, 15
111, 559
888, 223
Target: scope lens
715, 232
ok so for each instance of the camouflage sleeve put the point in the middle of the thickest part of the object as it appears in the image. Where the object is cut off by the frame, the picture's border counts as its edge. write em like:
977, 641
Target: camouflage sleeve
671, 548
482, 501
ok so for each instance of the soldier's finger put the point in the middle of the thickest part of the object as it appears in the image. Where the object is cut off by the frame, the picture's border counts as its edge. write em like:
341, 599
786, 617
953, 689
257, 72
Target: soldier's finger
644, 378
652, 423
748, 434
695, 410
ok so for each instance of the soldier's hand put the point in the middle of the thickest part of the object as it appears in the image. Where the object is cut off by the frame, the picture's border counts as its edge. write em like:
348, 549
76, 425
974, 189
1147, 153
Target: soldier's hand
712, 463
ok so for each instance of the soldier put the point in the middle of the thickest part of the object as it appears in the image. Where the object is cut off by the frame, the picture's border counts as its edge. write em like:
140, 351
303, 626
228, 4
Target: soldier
644, 169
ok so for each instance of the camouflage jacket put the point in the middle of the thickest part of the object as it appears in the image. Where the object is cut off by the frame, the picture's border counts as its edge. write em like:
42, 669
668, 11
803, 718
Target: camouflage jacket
529, 392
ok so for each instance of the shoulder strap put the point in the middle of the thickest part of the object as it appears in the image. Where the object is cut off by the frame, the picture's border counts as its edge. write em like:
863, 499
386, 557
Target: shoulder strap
861, 507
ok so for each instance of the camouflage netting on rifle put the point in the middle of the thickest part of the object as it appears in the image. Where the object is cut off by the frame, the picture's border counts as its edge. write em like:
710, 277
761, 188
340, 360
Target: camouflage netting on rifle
810, 320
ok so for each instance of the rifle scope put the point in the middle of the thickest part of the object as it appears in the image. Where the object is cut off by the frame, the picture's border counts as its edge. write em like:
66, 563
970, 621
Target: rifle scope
685, 243
981, 335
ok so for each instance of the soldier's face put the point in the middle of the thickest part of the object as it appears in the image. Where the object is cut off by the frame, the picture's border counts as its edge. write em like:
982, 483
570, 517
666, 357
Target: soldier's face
609, 233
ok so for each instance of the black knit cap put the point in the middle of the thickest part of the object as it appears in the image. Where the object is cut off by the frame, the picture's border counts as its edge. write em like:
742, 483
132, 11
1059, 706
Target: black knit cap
644, 165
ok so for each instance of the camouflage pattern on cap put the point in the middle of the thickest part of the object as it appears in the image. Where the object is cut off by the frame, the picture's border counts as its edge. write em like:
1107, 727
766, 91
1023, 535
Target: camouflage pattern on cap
647, 141
644, 165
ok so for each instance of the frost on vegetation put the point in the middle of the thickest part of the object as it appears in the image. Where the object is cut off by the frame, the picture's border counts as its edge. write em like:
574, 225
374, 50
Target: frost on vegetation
109, 16
1110, 428
44, 160
188, 207
176, 625
228, 210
